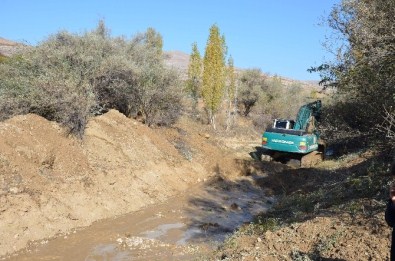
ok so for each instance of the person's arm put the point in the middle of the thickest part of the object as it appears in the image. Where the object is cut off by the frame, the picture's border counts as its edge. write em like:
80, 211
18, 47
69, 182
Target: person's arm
390, 213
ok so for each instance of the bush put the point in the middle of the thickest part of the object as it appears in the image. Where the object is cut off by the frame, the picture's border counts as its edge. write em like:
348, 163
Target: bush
363, 69
252, 87
156, 93
68, 78
277, 100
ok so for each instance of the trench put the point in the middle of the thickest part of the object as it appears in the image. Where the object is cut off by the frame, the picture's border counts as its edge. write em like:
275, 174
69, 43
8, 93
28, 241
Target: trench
190, 225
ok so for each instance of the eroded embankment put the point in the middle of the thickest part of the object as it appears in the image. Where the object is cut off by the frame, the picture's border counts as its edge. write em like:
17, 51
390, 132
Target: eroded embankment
51, 183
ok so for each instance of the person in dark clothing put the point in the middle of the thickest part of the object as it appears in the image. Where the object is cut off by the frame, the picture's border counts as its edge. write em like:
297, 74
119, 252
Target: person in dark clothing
390, 214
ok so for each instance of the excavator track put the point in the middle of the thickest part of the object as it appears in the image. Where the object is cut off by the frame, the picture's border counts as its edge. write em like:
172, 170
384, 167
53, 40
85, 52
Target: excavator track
265, 156
307, 161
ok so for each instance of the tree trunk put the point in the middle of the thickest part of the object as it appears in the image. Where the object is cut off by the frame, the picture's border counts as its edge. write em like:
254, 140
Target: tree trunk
211, 118
229, 115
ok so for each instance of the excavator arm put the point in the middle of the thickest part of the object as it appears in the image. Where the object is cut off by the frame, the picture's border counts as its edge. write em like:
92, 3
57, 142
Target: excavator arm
307, 113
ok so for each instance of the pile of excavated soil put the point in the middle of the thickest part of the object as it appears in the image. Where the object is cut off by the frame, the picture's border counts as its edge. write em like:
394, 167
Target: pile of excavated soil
51, 183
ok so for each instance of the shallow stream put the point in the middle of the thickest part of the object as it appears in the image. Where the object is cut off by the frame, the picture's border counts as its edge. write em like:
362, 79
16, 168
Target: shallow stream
182, 228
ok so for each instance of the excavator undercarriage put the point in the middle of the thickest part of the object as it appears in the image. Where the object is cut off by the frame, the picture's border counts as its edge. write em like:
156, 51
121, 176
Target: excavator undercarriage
297, 160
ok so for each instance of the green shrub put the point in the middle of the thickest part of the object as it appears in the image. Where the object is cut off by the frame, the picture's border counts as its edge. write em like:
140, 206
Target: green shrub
69, 77
252, 87
3, 58
273, 99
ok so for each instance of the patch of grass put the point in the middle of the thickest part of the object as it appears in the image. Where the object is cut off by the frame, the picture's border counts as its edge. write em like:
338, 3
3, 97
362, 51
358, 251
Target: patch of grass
261, 225
321, 247
325, 244
297, 255
3, 58
184, 149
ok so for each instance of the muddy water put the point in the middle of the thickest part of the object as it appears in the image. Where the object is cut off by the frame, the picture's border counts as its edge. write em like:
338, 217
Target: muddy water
183, 228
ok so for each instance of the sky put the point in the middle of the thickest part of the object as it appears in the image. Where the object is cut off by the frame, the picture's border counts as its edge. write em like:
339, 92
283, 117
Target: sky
280, 37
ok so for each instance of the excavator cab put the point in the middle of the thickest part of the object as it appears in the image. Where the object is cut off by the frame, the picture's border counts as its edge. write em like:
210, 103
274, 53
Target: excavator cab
283, 124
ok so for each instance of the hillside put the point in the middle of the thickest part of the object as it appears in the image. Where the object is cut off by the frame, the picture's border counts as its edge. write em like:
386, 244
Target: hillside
179, 60
8, 48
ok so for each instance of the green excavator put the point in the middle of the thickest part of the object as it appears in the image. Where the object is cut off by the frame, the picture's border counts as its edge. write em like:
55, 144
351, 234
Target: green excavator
295, 140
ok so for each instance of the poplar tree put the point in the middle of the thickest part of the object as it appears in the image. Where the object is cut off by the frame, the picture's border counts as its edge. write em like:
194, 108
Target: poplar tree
213, 73
231, 92
194, 81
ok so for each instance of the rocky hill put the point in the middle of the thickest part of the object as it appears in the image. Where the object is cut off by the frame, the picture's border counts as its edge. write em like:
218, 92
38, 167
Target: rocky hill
8, 48
180, 60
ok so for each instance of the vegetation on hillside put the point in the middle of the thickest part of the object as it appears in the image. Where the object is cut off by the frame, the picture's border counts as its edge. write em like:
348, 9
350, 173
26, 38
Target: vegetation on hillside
69, 77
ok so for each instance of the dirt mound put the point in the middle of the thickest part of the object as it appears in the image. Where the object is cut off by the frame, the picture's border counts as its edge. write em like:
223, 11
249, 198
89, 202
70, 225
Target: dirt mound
51, 183
322, 238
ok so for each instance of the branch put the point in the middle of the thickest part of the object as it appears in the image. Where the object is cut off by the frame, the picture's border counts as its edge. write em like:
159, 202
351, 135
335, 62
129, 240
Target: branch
388, 125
